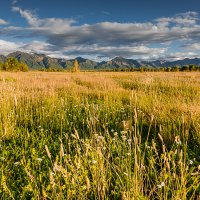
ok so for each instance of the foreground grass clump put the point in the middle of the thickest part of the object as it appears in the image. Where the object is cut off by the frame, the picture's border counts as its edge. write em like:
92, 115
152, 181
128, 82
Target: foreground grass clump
100, 136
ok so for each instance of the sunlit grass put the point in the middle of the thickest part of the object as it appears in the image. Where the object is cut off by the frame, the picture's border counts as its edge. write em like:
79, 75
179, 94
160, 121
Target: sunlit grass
100, 135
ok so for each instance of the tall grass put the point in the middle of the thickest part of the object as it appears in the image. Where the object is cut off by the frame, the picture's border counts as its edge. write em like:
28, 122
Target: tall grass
100, 135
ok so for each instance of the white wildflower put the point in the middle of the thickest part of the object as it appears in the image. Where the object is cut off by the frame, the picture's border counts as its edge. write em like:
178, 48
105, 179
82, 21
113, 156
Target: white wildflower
123, 132
115, 134
94, 162
190, 162
16, 163
129, 141
123, 137
162, 184
100, 137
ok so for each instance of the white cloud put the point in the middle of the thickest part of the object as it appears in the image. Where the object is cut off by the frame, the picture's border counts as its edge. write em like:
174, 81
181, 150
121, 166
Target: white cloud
93, 52
63, 32
27, 14
186, 19
63, 37
112, 51
180, 55
55, 25
192, 47
37, 46
3, 22
42, 48
7, 47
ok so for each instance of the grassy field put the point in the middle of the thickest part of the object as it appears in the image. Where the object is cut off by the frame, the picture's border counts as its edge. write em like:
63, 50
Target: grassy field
100, 135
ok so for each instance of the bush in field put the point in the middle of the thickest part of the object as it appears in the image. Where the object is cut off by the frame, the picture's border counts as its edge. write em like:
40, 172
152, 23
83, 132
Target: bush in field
12, 64
22, 67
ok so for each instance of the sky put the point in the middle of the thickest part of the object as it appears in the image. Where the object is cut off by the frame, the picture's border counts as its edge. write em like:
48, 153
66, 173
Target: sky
102, 29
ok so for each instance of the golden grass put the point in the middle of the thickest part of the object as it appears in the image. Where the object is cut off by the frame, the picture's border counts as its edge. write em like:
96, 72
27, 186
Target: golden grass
100, 135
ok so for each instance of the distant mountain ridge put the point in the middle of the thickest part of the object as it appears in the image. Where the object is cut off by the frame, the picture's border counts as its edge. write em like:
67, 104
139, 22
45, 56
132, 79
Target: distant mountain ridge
38, 61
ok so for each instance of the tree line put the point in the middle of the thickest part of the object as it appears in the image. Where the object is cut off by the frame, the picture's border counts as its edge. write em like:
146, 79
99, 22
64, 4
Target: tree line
12, 64
185, 68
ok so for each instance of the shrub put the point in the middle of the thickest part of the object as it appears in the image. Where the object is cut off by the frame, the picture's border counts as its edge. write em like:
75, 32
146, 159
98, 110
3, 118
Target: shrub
12, 64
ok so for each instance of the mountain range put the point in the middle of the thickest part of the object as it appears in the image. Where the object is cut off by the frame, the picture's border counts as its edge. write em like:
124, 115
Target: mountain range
38, 61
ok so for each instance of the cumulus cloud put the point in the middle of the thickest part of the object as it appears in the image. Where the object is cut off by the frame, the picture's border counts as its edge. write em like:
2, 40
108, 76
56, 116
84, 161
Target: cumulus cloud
64, 37
192, 47
37, 46
110, 51
55, 25
64, 31
185, 19
43, 48
28, 15
7, 47
181, 55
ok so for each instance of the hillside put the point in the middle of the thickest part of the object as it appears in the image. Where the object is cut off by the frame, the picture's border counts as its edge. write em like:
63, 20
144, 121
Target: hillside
39, 61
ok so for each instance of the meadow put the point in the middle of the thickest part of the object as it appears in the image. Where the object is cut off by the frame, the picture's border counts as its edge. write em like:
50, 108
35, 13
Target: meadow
98, 135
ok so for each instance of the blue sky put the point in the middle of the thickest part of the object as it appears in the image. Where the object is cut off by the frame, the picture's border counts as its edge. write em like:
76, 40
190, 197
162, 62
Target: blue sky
100, 29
